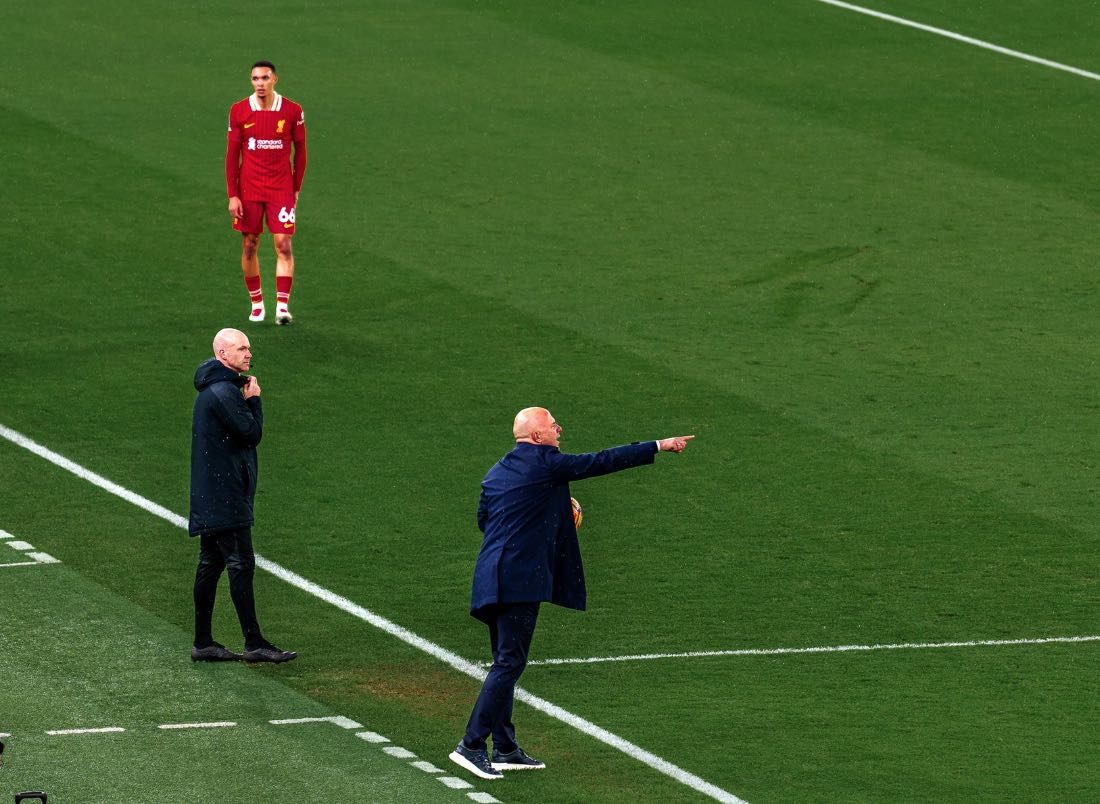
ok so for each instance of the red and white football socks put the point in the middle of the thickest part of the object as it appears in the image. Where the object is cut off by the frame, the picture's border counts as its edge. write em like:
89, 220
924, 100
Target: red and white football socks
282, 299
257, 297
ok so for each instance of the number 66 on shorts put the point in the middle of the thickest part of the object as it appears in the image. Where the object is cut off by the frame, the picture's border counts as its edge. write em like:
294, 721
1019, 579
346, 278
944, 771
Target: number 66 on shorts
279, 216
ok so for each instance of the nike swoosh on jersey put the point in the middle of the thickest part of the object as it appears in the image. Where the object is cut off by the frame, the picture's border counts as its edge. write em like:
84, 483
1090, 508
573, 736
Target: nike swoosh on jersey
249, 125
288, 225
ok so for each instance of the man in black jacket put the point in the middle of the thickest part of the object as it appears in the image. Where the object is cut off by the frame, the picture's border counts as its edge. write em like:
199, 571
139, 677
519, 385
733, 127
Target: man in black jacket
226, 427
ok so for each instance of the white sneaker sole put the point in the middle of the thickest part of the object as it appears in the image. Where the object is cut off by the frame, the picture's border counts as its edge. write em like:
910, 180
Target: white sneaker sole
256, 319
507, 766
462, 762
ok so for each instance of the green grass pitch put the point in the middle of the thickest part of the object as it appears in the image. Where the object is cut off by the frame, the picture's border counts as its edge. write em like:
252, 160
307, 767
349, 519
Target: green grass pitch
856, 259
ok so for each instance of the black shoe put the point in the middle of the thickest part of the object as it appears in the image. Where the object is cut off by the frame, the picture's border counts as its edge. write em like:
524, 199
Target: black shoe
476, 762
269, 653
214, 652
516, 760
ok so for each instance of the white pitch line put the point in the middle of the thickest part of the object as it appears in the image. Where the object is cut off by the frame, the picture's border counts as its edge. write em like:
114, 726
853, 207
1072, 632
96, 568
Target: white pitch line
976, 643
454, 782
104, 730
20, 564
96, 480
339, 720
20, 545
345, 722
1016, 54
221, 724
399, 752
469, 668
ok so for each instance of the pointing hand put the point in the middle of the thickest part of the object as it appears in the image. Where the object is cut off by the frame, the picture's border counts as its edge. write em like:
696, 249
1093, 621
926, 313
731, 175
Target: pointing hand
674, 444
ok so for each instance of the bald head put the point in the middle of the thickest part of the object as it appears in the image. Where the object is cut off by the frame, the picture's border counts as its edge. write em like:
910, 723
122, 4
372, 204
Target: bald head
232, 349
536, 426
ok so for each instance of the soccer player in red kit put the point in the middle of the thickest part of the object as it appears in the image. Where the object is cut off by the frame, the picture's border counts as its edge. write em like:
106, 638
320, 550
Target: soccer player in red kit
263, 182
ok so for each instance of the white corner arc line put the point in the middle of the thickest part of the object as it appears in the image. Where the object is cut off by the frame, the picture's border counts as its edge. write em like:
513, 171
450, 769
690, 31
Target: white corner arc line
471, 669
1016, 54
975, 643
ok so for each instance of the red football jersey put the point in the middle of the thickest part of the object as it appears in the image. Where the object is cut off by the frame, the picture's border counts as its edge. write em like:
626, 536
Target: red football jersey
257, 160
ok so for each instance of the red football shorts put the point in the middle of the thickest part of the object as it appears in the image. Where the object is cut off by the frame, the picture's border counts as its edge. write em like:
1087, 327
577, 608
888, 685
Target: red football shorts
278, 214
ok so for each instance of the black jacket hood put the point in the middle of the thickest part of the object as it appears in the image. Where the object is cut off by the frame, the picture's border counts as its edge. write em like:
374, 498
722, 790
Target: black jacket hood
212, 371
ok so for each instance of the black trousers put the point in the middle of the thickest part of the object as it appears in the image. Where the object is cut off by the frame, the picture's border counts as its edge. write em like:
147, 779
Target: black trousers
511, 627
230, 550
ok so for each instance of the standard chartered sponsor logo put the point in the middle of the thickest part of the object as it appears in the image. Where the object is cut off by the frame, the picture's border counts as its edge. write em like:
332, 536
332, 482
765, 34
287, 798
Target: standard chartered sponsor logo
264, 145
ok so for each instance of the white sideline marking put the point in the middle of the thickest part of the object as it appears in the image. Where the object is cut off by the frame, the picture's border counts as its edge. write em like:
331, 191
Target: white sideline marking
96, 480
372, 737
399, 752
339, 720
638, 753
44, 558
222, 724
4, 536
483, 798
345, 722
640, 657
4, 734
1016, 54
104, 730
20, 564
427, 767
454, 782
17, 545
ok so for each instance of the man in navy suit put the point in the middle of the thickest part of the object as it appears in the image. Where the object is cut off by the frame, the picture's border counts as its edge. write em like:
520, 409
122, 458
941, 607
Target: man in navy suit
530, 554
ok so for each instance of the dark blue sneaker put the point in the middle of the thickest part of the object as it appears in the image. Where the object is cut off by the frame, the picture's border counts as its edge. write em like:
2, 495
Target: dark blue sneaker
476, 762
516, 760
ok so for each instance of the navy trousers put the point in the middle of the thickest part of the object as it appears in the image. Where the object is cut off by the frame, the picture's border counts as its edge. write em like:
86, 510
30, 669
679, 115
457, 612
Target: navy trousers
511, 627
230, 550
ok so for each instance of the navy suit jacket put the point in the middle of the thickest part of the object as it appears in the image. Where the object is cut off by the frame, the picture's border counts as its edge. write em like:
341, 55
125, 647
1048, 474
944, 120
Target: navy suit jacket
530, 551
